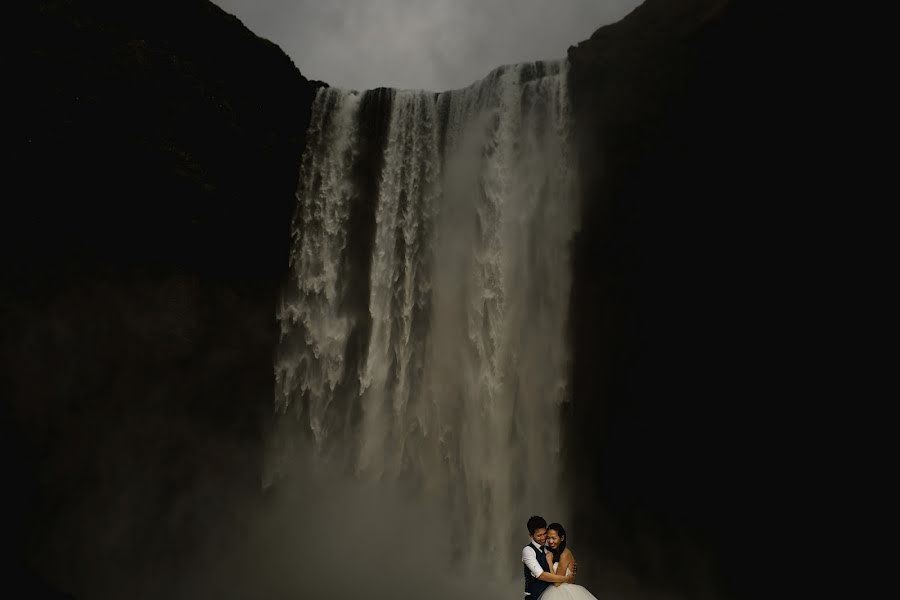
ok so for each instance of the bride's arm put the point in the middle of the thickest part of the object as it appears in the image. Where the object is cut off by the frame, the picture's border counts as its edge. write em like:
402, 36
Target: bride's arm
564, 562
549, 556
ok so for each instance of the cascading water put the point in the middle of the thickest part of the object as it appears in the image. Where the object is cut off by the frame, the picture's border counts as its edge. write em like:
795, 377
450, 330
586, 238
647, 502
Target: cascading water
423, 338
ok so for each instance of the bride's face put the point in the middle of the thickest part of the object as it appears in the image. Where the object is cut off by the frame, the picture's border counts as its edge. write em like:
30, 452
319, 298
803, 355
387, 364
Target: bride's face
553, 539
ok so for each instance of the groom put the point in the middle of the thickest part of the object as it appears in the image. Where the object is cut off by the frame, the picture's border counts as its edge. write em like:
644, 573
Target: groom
537, 571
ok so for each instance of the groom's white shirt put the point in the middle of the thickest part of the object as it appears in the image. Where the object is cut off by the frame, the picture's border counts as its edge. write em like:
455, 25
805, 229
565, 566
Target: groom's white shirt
529, 557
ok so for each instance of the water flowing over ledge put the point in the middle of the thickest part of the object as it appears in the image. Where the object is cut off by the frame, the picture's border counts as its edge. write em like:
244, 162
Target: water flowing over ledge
423, 326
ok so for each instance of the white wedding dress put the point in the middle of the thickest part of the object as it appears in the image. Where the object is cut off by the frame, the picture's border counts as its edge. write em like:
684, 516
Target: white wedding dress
566, 591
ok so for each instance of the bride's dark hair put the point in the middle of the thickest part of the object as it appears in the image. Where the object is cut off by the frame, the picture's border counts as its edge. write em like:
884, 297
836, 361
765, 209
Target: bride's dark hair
562, 542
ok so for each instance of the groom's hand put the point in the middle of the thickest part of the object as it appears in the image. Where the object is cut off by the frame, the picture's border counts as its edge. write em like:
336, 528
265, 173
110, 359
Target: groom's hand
574, 566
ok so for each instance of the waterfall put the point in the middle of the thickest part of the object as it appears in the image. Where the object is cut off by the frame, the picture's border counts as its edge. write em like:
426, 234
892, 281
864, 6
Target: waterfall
423, 327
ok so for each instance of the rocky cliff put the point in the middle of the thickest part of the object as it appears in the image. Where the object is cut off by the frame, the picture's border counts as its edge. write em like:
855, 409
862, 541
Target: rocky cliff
160, 144
679, 284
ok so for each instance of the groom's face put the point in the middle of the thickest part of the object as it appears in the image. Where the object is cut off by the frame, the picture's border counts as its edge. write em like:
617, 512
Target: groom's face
540, 535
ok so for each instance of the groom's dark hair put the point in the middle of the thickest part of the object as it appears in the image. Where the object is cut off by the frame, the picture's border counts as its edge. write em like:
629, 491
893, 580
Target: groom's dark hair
535, 523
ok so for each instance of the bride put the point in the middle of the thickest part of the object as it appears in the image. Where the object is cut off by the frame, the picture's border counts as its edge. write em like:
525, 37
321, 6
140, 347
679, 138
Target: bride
560, 558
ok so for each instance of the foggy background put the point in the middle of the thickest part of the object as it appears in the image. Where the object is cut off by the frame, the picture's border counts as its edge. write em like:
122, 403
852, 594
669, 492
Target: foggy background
318, 535
421, 44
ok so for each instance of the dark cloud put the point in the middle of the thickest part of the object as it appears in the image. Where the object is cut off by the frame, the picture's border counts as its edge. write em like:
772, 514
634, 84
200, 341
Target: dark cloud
421, 44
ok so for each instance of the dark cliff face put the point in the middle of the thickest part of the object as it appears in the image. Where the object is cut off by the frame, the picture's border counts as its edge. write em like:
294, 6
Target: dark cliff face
155, 132
679, 301
142, 258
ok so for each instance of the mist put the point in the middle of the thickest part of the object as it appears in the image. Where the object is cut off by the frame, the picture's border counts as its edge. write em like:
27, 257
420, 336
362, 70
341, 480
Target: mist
321, 534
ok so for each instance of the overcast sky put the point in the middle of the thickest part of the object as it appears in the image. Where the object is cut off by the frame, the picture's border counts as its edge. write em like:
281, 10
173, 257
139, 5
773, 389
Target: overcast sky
421, 44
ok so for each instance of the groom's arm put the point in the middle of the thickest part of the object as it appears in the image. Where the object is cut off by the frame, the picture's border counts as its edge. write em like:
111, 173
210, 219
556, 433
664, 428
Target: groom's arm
530, 560
551, 578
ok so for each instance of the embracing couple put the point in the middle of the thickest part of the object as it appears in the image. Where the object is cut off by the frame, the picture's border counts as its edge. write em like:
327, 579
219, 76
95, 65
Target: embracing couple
550, 565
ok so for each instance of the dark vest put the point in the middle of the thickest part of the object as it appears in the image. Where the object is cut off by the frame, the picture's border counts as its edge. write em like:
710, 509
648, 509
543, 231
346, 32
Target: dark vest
533, 586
